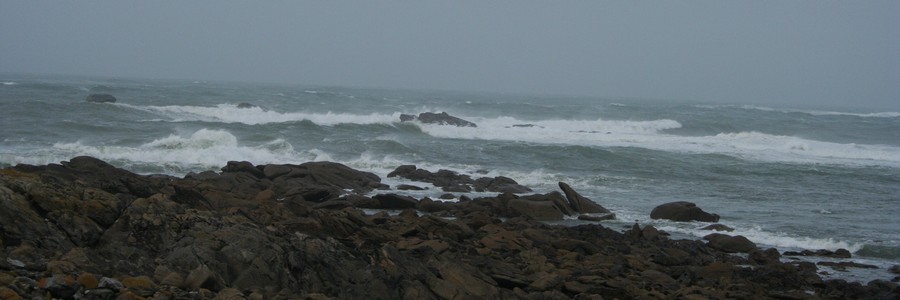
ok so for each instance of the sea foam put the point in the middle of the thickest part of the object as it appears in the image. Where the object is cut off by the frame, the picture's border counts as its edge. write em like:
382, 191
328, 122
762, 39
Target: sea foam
230, 113
780, 240
887, 114
652, 135
204, 149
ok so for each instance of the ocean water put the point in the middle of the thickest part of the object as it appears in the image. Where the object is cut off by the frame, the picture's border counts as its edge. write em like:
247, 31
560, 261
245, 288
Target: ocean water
790, 178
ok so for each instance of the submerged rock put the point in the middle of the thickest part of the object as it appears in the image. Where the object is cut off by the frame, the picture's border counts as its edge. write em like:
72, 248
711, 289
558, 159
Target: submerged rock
437, 118
682, 211
100, 98
245, 105
718, 227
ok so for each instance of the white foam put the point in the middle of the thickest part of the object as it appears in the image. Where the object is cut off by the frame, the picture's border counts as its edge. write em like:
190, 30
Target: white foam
889, 114
204, 149
10, 83
651, 135
780, 240
230, 113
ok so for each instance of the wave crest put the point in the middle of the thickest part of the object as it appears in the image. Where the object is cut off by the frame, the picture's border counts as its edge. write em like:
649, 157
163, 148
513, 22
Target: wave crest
230, 113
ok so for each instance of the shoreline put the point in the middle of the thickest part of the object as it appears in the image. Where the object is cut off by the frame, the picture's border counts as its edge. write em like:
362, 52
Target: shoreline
85, 227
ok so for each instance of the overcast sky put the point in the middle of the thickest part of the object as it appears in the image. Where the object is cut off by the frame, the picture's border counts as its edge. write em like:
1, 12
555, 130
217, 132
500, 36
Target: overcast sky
843, 53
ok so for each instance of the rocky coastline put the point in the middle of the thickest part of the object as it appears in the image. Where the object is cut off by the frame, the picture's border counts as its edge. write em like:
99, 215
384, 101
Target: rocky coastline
84, 229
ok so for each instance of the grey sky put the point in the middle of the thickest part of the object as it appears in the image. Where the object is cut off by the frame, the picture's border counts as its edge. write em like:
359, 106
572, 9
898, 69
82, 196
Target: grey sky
843, 53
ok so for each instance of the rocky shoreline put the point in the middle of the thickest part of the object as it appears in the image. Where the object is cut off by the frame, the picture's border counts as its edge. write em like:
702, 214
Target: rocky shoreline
87, 230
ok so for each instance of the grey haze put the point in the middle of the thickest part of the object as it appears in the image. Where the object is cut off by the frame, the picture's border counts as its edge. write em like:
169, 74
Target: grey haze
810, 53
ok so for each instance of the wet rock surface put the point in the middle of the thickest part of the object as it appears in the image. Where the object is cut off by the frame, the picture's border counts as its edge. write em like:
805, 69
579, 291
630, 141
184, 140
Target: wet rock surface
85, 229
682, 211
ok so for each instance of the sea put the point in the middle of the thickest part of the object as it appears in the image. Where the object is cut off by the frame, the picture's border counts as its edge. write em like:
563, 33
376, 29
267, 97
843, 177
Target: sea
791, 178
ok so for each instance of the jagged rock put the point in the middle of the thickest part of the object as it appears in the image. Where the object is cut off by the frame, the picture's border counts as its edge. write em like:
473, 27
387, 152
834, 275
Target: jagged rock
682, 211
243, 233
579, 203
100, 98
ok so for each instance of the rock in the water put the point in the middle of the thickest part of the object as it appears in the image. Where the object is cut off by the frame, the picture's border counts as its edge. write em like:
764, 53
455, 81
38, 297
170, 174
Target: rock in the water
394, 201
718, 227
895, 269
597, 217
731, 244
682, 211
246, 105
843, 265
437, 118
100, 98
839, 253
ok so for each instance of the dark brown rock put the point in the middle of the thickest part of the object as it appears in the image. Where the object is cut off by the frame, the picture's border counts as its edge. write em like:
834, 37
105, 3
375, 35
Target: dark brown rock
729, 243
238, 234
682, 211
394, 201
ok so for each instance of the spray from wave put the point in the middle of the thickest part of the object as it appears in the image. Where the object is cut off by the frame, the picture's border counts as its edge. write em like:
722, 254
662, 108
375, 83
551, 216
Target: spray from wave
652, 135
204, 149
230, 113
887, 114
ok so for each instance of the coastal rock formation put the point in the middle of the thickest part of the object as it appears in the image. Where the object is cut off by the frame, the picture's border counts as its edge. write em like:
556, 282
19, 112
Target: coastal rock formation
100, 98
85, 229
682, 211
730, 244
579, 203
437, 118
450, 181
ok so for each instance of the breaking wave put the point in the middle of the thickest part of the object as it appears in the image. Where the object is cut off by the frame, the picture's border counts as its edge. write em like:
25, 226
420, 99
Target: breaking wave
231, 113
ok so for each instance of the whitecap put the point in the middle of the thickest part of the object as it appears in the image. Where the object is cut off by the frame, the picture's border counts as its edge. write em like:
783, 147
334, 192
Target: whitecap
230, 113
887, 114
204, 149
651, 134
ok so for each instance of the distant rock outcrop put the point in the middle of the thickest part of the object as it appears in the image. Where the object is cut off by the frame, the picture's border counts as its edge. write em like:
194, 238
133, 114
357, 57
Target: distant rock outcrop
100, 98
437, 118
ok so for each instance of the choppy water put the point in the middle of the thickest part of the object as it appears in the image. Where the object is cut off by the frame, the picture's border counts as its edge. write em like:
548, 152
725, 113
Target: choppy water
787, 178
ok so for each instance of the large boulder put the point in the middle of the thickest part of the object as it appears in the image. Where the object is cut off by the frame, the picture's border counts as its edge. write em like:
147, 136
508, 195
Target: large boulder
437, 118
682, 211
100, 98
579, 203
731, 244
